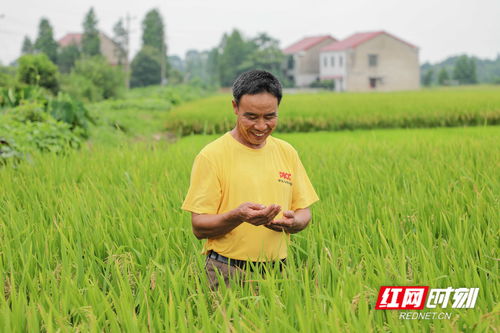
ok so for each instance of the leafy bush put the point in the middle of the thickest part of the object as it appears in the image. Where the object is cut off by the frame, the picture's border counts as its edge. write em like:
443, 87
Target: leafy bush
72, 112
37, 69
20, 94
81, 88
20, 138
93, 79
8, 152
32, 104
7, 76
32, 112
325, 84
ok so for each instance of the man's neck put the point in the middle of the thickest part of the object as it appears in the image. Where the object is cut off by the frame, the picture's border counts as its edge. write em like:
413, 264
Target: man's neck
236, 135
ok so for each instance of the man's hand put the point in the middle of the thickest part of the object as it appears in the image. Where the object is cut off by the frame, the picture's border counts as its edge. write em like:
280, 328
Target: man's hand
216, 225
257, 214
291, 222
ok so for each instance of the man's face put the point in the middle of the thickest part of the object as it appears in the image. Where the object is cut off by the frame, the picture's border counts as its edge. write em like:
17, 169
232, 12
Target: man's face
257, 118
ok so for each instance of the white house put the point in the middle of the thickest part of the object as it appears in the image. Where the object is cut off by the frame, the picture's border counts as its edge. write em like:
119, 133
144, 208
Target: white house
370, 61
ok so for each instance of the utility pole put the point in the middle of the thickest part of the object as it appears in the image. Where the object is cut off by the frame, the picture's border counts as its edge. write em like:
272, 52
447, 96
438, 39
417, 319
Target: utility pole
127, 50
163, 64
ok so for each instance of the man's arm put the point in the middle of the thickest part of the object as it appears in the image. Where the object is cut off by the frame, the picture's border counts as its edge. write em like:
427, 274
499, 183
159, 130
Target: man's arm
215, 225
292, 221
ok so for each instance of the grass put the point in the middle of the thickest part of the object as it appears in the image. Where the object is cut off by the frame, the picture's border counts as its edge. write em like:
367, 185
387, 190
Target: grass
141, 114
348, 111
95, 240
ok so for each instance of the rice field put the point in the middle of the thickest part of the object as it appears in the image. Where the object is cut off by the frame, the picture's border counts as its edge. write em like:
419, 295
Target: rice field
468, 106
96, 241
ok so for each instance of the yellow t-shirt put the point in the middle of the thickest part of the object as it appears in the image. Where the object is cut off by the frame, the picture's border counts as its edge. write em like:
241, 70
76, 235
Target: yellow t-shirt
227, 173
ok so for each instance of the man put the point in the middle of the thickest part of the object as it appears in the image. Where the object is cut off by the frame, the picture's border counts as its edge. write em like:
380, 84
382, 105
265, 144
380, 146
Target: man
249, 191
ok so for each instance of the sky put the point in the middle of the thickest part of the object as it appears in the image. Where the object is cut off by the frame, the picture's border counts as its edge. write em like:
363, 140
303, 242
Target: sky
439, 28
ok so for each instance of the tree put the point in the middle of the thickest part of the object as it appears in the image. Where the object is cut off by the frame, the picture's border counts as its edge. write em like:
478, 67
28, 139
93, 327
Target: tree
472, 70
37, 69
67, 57
45, 42
213, 67
121, 38
443, 77
28, 47
176, 62
265, 54
91, 44
196, 65
145, 67
153, 35
175, 69
153, 32
465, 70
234, 53
428, 77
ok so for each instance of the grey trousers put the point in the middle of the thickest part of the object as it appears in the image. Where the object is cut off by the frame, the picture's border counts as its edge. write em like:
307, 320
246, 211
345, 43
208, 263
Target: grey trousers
228, 272
212, 267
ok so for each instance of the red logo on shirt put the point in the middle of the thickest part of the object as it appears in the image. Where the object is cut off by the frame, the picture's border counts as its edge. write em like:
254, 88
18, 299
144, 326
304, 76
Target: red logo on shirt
284, 175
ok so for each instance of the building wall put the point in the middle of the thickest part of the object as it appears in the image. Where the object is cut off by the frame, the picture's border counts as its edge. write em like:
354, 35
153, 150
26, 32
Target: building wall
397, 66
109, 49
333, 66
307, 64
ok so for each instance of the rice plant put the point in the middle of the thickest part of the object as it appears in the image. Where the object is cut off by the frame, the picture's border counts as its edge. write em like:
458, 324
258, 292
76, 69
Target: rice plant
95, 240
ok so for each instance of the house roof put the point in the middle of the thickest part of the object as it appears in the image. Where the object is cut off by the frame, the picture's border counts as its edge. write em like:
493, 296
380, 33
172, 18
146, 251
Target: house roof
76, 38
72, 38
306, 43
357, 39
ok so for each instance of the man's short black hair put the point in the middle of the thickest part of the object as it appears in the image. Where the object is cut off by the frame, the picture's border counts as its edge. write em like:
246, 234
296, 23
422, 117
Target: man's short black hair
255, 82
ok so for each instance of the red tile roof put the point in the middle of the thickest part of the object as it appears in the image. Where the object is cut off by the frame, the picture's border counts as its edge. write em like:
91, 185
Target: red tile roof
306, 43
74, 38
357, 39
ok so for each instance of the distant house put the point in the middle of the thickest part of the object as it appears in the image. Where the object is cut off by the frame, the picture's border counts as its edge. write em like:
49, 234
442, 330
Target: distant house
302, 61
370, 61
109, 48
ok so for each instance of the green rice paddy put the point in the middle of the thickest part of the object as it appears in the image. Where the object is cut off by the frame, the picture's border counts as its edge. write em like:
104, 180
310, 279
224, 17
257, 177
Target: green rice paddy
469, 106
95, 240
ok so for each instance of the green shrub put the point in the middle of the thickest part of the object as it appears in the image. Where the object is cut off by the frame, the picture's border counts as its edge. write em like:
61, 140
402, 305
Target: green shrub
20, 138
32, 112
7, 76
21, 94
324, 84
81, 88
8, 152
93, 79
37, 69
72, 112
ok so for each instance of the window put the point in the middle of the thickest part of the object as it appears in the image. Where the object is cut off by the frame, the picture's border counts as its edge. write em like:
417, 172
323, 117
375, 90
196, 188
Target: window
290, 62
341, 60
374, 82
325, 61
372, 60
332, 60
